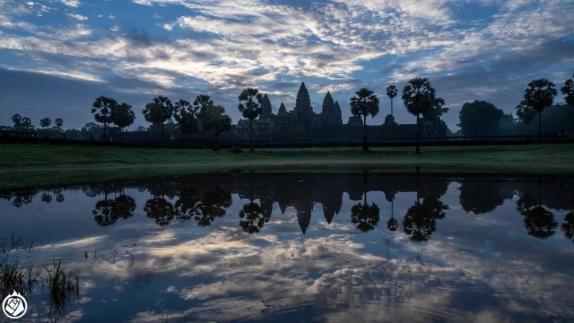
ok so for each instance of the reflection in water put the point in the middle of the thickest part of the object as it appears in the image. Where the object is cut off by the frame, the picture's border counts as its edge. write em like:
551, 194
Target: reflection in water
538, 220
285, 246
568, 226
420, 220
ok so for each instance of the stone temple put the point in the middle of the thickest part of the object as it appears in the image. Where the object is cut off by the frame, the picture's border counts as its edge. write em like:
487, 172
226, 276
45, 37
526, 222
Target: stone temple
303, 124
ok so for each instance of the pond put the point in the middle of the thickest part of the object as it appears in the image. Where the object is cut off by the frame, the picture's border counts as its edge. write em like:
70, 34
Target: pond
290, 247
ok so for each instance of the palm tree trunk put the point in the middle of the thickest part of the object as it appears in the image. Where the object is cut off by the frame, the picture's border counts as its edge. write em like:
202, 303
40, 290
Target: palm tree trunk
539, 126
365, 148
418, 183
251, 135
216, 140
418, 149
392, 114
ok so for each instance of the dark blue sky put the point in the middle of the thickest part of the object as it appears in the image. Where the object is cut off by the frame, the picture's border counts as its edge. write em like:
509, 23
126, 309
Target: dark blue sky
56, 56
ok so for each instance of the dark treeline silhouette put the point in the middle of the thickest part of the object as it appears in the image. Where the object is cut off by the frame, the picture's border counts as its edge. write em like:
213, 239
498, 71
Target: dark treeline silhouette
205, 198
203, 123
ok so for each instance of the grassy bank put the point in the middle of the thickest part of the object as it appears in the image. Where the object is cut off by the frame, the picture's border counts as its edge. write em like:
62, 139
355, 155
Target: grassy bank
24, 165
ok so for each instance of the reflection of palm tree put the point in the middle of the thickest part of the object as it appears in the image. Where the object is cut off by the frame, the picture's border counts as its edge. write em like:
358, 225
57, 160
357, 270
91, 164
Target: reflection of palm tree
22, 198
420, 219
392, 224
46, 197
160, 209
107, 212
213, 204
187, 204
252, 217
537, 219
102, 212
539, 222
123, 206
568, 226
59, 197
365, 216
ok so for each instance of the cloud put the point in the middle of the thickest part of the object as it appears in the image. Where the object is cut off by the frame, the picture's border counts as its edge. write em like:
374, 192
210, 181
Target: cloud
222, 46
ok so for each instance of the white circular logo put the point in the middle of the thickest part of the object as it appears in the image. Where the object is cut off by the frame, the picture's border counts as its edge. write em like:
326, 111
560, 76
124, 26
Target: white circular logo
14, 306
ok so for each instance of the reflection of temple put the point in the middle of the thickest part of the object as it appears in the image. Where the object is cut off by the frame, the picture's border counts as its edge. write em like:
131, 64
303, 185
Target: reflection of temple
302, 123
205, 198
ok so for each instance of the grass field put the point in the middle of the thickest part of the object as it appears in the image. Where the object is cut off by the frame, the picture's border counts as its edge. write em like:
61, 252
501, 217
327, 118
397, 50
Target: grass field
27, 165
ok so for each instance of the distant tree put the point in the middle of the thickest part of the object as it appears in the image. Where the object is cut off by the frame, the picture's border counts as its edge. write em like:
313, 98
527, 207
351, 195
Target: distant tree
507, 125
186, 117
568, 91
539, 95
202, 101
266, 108
22, 123
363, 104
479, 118
250, 107
215, 120
525, 112
16, 119
158, 112
102, 111
433, 126
45, 122
59, 122
392, 92
123, 116
26, 124
419, 98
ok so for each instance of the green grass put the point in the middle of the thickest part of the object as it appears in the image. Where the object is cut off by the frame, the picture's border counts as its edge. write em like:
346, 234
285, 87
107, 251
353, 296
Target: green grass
26, 165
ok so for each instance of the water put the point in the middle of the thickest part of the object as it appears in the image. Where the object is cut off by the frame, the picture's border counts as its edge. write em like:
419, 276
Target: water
300, 247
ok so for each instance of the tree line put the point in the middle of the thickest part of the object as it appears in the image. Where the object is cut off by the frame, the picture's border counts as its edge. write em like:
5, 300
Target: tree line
203, 116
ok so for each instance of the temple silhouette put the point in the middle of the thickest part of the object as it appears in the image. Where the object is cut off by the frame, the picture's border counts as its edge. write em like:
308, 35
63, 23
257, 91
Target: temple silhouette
303, 123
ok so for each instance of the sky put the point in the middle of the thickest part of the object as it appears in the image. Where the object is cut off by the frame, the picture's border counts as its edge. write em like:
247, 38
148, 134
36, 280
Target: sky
57, 56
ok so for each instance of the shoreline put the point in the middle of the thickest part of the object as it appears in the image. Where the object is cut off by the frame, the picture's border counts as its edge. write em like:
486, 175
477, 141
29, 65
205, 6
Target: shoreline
24, 166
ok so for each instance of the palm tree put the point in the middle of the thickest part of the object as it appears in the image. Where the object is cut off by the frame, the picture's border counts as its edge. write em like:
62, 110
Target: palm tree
102, 111
59, 122
419, 97
201, 103
186, 117
214, 119
568, 91
363, 104
250, 107
392, 92
16, 119
45, 122
123, 116
538, 95
158, 112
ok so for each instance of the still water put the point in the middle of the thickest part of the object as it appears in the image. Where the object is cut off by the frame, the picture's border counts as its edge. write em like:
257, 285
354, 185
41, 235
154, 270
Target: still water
297, 247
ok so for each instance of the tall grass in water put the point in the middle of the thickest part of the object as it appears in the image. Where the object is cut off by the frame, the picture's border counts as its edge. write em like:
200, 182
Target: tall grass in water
13, 276
63, 286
